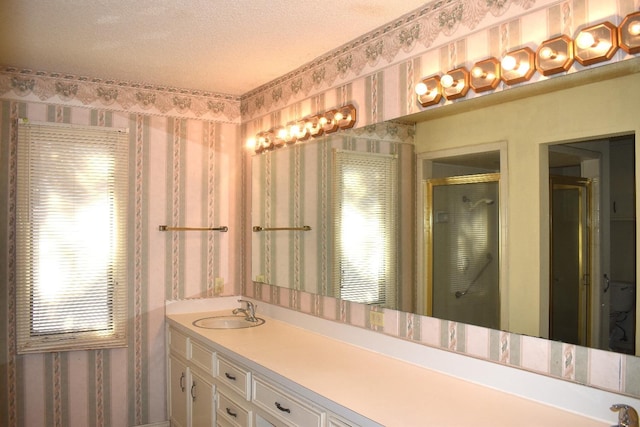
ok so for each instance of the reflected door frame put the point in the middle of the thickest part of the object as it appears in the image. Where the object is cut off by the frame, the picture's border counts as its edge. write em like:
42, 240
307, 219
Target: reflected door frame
424, 171
584, 244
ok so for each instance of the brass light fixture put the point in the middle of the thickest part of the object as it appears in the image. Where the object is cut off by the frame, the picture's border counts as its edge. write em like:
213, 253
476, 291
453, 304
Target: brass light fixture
629, 33
346, 117
518, 66
485, 75
313, 126
429, 91
554, 55
596, 43
455, 84
328, 121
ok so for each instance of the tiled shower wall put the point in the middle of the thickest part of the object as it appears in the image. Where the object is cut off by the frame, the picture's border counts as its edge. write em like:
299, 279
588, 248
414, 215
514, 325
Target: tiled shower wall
184, 171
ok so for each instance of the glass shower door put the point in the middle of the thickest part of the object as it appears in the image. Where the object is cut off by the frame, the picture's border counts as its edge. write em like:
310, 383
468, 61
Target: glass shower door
464, 249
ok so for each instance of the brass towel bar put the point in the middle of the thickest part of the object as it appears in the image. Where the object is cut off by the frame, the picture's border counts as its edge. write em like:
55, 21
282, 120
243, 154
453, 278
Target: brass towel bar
167, 228
257, 228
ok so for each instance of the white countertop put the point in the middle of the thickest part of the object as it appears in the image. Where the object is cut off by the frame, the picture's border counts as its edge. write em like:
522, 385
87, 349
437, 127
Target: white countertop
389, 391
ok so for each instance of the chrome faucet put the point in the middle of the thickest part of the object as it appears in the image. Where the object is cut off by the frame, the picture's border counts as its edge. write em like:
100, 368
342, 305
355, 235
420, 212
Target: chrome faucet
627, 416
249, 311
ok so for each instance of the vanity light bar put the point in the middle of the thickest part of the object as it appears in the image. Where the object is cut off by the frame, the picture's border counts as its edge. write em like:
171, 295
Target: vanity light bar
592, 44
310, 127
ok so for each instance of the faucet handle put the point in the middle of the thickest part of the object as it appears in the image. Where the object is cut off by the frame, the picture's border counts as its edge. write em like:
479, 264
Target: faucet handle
627, 416
248, 303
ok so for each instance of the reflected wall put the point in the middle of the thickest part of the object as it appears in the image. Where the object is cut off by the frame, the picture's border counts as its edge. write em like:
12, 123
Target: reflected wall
292, 188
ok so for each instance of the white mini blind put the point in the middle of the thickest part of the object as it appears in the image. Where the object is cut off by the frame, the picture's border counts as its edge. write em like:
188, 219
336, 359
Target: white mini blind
71, 264
365, 221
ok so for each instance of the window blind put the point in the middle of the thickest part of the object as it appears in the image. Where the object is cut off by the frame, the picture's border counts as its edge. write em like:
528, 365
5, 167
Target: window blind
71, 264
365, 221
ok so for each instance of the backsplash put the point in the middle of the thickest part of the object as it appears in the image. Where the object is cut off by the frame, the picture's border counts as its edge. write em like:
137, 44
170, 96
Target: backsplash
600, 369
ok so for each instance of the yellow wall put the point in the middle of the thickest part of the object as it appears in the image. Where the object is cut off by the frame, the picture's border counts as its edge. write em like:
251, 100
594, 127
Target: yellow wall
594, 103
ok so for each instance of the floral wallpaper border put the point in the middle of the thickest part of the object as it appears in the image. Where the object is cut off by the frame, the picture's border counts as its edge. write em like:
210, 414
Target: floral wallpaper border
387, 43
117, 95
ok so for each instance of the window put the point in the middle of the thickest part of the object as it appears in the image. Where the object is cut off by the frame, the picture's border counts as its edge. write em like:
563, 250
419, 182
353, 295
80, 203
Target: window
71, 237
365, 204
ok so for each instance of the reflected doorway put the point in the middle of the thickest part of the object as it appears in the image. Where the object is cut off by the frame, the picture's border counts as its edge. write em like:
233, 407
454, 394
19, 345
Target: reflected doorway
464, 245
570, 253
602, 313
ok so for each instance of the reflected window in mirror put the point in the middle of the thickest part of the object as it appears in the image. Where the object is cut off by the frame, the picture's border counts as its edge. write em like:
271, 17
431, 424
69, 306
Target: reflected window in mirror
364, 206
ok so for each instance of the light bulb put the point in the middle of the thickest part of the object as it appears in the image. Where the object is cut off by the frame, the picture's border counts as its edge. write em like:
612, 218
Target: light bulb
634, 28
338, 116
294, 130
446, 80
421, 89
478, 73
282, 133
585, 40
509, 63
251, 143
547, 53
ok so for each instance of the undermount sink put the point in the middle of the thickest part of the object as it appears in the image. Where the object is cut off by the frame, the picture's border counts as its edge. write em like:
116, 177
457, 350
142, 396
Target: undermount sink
227, 322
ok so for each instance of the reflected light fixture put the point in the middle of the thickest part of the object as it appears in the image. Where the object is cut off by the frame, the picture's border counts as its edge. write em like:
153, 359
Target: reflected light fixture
596, 43
455, 84
428, 91
345, 117
629, 33
313, 126
554, 55
485, 75
281, 136
518, 66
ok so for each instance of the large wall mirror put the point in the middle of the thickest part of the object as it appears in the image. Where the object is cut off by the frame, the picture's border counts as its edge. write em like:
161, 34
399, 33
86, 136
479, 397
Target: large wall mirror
335, 216
478, 192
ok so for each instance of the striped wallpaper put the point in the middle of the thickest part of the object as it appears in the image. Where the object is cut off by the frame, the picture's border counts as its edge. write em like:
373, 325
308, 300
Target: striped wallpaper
188, 167
179, 171
293, 188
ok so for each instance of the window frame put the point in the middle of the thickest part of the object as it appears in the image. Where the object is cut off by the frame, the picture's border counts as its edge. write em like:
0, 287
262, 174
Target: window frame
72, 140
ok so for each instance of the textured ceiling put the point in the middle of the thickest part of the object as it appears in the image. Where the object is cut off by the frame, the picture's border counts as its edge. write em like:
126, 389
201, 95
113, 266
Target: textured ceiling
222, 46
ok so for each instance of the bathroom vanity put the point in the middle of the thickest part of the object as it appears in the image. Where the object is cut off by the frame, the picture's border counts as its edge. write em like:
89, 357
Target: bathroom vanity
284, 375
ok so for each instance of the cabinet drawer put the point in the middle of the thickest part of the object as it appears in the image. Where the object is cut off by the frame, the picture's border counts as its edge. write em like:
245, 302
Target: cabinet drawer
178, 343
283, 405
235, 377
234, 413
202, 357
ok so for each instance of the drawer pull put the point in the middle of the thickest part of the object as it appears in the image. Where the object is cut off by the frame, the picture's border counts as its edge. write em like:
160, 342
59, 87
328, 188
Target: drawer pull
231, 377
230, 412
193, 391
182, 382
282, 408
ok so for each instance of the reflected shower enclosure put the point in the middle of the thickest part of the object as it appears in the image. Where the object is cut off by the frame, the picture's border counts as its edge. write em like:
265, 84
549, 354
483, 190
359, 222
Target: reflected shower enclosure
464, 249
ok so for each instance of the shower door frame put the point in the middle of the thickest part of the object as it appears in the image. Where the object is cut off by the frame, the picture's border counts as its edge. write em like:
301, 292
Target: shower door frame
429, 224
585, 267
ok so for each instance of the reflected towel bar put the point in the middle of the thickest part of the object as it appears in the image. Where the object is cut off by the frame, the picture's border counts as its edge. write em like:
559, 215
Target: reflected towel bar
303, 228
167, 228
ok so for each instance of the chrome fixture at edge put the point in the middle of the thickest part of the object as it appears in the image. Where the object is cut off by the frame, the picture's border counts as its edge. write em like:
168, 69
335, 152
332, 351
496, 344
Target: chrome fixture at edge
627, 416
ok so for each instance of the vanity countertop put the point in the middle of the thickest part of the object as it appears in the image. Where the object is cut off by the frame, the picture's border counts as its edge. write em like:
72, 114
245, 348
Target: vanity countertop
384, 389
